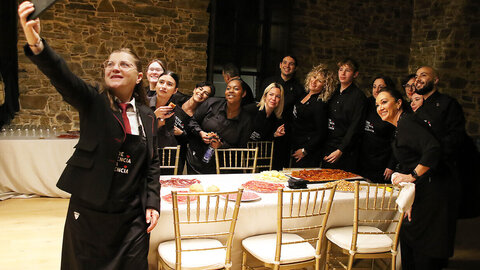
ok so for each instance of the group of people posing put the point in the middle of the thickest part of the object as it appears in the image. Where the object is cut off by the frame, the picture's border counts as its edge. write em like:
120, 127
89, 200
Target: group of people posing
328, 121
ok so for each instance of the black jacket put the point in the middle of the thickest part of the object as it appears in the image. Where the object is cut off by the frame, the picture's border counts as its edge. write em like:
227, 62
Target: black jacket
88, 174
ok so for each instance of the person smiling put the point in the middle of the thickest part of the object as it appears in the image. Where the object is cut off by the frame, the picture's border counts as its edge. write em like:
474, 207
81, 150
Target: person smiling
184, 112
267, 115
113, 174
427, 228
155, 69
376, 161
226, 119
309, 125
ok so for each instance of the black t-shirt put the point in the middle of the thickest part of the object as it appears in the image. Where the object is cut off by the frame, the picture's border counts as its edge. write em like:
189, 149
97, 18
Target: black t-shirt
263, 127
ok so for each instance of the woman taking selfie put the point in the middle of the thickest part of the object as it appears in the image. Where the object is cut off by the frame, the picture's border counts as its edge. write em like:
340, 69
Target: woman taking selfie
113, 174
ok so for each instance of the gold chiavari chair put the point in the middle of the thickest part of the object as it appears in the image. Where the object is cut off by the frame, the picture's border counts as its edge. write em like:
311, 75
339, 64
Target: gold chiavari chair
241, 160
204, 229
304, 215
376, 227
169, 157
265, 154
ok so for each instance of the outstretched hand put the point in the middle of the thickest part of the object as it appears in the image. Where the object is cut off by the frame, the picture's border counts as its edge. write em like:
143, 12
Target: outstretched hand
31, 28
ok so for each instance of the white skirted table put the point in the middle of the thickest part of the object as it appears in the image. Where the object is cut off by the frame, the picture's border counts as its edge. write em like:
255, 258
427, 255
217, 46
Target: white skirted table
255, 217
33, 166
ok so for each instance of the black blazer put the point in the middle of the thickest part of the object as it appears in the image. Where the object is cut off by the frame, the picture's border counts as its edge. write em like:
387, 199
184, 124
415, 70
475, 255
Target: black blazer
88, 174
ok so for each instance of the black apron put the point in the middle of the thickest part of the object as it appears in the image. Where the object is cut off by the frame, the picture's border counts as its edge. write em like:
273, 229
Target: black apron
113, 235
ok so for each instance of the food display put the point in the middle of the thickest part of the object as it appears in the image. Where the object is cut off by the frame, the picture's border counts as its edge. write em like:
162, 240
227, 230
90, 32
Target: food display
213, 188
179, 182
196, 188
172, 105
263, 187
247, 196
181, 198
322, 175
342, 185
272, 176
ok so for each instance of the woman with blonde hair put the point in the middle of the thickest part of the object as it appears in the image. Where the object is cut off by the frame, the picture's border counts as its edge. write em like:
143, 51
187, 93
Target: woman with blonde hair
267, 115
309, 124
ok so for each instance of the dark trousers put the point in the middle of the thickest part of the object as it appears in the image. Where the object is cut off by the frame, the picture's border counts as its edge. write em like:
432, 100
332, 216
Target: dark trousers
415, 260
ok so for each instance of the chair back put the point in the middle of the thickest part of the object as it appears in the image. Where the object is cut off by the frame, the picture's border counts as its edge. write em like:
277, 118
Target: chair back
169, 157
303, 211
265, 154
242, 160
205, 215
379, 203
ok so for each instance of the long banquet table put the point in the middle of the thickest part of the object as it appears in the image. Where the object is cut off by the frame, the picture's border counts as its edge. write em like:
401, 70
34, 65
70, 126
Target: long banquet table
256, 217
33, 166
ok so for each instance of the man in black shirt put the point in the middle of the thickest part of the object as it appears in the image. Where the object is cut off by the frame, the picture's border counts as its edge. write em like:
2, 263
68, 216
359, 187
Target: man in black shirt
445, 117
293, 89
346, 110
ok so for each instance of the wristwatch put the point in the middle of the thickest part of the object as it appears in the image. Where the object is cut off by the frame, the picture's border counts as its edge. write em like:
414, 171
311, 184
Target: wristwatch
415, 175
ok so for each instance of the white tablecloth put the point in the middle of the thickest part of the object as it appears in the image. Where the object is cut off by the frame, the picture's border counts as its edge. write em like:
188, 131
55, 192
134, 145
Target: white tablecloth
257, 217
33, 166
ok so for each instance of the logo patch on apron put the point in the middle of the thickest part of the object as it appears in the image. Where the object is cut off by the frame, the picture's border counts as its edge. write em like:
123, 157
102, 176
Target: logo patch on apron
76, 214
123, 163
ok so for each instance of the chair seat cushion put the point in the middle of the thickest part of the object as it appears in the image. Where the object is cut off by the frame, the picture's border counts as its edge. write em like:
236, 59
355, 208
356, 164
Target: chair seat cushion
262, 247
203, 259
366, 243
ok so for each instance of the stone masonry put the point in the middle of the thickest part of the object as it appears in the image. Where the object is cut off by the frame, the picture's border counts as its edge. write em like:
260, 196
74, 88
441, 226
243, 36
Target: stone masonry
388, 37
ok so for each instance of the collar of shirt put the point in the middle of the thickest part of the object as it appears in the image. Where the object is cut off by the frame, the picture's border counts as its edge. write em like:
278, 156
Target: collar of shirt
132, 116
223, 109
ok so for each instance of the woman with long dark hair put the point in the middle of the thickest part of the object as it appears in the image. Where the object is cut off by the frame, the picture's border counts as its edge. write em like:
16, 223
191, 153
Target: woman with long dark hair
425, 233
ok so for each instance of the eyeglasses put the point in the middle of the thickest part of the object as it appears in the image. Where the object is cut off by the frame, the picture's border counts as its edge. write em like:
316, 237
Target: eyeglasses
123, 65
409, 86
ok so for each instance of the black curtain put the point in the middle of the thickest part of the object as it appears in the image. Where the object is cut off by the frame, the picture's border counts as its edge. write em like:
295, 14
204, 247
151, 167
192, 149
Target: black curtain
9, 60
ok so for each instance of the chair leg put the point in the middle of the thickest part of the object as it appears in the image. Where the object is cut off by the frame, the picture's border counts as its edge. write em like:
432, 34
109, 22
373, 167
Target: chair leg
244, 260
327, 257
350, 261
394, 262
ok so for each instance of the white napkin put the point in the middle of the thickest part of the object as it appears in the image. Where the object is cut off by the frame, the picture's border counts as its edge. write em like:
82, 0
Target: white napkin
406, 197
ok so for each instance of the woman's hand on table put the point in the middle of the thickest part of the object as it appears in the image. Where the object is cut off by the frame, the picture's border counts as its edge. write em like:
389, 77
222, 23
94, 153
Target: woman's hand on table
152, 219
334, 156
31, 28
400, 177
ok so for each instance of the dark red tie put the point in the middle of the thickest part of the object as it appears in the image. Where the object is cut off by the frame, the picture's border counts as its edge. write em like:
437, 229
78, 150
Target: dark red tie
124, 107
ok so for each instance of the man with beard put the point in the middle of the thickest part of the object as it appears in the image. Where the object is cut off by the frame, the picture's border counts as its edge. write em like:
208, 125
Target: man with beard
445, 117
293, 89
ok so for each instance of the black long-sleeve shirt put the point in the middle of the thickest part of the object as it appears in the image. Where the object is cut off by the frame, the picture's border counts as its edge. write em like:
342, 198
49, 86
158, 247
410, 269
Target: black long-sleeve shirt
346, 111
263, 127
211, 116
309, 125
445, 116
376, 151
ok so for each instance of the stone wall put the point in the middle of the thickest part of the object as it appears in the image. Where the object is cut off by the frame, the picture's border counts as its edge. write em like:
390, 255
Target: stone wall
85, 31
446, 35
375, 33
